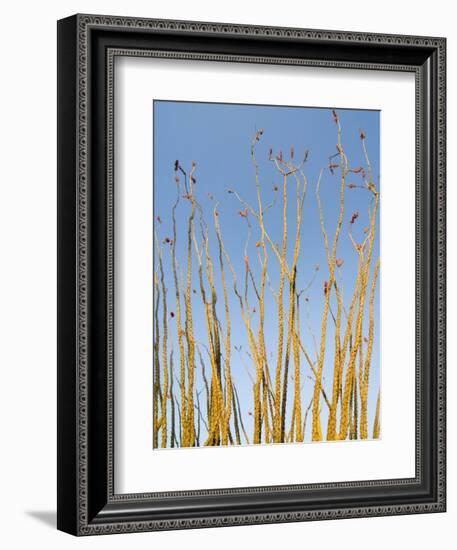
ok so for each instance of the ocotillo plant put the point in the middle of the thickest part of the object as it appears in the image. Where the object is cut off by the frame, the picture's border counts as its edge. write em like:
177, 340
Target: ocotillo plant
197, 402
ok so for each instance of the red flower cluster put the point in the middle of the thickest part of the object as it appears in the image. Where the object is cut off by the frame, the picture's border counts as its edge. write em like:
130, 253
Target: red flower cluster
177, 167
259, 134
354, 216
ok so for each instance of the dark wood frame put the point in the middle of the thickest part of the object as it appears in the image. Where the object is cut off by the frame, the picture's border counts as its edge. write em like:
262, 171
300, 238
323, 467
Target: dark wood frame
87, 46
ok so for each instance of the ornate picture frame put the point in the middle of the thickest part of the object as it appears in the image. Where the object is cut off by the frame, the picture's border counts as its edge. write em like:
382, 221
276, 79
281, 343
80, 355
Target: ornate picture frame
87, 500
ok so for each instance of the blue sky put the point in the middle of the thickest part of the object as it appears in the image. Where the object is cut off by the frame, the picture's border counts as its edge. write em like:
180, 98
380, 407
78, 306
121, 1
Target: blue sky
218, 138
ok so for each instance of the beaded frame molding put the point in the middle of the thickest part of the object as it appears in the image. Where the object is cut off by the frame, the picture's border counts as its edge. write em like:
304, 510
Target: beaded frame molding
87, 48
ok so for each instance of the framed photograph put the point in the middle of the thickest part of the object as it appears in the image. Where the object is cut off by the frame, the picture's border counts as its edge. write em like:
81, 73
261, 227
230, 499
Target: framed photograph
251, 280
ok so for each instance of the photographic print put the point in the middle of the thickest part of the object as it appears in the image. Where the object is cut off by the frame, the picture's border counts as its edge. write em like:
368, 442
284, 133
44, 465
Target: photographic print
239, 269
266, 274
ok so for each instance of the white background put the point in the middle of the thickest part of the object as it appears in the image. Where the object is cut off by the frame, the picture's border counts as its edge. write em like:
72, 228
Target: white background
136, 466
28, 280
